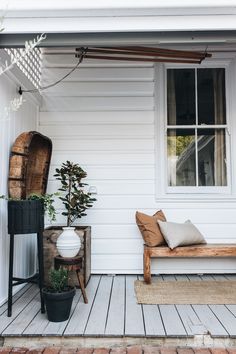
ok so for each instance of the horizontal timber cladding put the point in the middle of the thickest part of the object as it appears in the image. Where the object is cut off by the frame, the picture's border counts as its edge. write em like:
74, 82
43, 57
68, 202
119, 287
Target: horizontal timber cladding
103, 117
12, 126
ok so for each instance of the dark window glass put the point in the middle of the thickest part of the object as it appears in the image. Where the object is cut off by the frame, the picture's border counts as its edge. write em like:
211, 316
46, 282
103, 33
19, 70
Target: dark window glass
181, 108
211, 96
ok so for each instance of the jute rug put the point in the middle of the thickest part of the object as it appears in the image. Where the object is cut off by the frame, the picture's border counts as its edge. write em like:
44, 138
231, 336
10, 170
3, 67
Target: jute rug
186, 292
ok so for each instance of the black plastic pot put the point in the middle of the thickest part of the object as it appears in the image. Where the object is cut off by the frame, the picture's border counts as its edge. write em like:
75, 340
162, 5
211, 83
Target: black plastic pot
58, 305
25, 216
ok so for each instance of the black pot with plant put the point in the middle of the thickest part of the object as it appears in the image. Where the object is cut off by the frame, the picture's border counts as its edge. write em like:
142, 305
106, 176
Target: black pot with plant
58, 296
26, 216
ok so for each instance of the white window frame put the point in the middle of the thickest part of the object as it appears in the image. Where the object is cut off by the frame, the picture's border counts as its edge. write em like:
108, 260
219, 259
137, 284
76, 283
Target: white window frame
165, 192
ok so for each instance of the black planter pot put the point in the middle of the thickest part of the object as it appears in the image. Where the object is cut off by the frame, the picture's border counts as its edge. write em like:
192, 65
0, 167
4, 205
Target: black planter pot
58, 305
25, 216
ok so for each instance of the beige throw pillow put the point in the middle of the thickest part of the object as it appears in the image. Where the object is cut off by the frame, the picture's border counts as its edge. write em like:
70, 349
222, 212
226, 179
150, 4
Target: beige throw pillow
150, 229
180, 234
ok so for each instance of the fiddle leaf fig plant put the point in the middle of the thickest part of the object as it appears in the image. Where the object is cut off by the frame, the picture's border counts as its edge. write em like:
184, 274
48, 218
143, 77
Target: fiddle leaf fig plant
75, 199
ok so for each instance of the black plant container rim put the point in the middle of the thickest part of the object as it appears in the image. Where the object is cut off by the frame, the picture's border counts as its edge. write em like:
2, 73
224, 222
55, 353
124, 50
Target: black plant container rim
63, 295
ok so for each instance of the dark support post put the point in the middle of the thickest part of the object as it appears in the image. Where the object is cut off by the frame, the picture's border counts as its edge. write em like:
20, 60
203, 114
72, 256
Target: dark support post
41, 269
11, 254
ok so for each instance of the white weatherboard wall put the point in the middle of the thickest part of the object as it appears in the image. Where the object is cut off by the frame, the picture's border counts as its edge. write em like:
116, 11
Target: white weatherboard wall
103, 117
23, 120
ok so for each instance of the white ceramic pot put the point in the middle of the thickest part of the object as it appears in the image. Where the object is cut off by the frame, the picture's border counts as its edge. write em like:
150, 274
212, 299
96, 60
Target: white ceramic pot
68, 243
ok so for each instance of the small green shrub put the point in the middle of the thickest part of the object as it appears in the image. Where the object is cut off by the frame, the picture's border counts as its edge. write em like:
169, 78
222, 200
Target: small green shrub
58, 280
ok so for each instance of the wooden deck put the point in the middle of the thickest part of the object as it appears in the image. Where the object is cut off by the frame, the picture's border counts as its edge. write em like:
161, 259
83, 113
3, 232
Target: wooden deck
112, 311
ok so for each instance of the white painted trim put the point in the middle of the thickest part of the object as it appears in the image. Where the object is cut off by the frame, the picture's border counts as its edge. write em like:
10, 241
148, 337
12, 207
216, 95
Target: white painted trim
109, 24
191, 194
114, 6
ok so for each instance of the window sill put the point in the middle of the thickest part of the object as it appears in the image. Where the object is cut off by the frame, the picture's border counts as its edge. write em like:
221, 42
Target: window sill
198, 199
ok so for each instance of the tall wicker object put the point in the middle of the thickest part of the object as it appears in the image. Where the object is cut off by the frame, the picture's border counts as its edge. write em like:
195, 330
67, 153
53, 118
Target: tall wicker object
29, 165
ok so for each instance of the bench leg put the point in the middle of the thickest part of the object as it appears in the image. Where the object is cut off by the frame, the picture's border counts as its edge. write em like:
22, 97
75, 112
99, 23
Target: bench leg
146, 266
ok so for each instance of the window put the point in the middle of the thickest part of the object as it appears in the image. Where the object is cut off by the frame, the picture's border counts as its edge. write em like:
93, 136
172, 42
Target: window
196, 130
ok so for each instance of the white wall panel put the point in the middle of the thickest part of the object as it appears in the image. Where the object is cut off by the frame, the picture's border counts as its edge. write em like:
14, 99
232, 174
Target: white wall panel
99, 130
108, 89
75, 104
83, 74
103, 118
113, 117
17, 122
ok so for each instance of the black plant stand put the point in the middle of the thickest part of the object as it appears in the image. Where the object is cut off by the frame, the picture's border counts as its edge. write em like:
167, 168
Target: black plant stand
25, 217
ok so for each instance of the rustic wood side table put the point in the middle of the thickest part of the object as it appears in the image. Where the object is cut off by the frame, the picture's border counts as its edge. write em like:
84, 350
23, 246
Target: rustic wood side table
72, 264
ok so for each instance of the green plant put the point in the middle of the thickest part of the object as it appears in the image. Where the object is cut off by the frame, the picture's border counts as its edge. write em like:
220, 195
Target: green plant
58, 280
75, 199
48, 200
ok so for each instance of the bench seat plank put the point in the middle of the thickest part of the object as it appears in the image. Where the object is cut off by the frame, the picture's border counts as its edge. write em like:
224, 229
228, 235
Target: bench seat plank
194, 251
205, 250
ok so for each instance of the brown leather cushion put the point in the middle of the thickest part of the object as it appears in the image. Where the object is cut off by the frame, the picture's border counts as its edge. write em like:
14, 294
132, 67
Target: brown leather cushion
150, 229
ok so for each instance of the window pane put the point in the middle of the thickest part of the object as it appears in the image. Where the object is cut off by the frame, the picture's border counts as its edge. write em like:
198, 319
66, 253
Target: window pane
181, 157
211, 157
181, 96
211, 96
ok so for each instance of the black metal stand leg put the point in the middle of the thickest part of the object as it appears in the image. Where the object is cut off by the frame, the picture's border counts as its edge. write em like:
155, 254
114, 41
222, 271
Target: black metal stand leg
11, 254
41, 270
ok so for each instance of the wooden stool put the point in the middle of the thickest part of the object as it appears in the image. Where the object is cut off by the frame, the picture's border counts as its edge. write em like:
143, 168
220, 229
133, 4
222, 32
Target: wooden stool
71, 264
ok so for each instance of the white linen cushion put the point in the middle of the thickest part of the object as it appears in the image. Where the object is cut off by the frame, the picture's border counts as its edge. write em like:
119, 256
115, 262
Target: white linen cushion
177, 234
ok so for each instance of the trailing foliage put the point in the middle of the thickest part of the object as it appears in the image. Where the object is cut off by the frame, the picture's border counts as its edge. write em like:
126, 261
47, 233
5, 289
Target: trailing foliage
74, 198
47, 202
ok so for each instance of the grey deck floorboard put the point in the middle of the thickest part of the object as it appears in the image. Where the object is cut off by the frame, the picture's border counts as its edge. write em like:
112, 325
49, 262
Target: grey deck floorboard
17, 308
37, 325
172, 321
210, 321
112, 310
3, 308
115, 318
190, 320
79, 318
168, 277
133, 315
227, 319
24, 318
181, 277
194, 277
207, 277
97, 320
153, 322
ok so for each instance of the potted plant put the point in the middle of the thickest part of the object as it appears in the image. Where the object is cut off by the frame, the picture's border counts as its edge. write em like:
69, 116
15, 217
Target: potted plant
27, 215
58, 296
76, 201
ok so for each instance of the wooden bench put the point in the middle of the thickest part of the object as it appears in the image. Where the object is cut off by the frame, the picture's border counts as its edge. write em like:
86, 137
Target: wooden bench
196, 251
